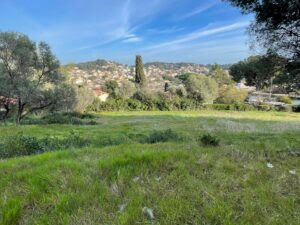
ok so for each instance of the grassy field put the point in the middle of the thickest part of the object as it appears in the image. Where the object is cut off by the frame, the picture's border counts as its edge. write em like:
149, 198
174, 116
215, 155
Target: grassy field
252, 177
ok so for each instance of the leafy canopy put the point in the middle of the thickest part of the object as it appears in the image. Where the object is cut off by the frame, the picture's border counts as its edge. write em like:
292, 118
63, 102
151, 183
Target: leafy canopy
29, 74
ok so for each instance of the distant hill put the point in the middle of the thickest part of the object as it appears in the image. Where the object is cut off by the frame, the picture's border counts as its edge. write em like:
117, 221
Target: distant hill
96, 73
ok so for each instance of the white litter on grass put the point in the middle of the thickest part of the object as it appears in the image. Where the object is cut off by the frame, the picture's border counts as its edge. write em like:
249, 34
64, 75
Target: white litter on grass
114, 188
122, 207
292, 172
158, 178
149, 212
136, 179
270, 165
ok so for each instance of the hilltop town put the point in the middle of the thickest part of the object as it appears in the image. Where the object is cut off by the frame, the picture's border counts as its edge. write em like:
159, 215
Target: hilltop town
95, 74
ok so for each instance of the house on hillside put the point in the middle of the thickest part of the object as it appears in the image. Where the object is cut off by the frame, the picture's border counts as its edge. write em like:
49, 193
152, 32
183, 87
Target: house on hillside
6, 101
101, 94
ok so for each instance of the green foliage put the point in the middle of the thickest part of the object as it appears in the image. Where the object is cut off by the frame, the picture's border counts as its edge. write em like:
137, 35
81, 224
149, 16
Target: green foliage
140, 77
167, 86
24, 144
162, 136
68, 118
285, 99
33, 80
259, 71
201, 88
126, 89
232, 107
276, 25
93, 65
285, 108
231, 94
146, 98
265, 107
296, 108
210, 140
220, 76
111, 87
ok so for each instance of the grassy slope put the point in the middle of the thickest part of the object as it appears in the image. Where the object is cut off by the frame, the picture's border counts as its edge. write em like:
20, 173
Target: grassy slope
184, 183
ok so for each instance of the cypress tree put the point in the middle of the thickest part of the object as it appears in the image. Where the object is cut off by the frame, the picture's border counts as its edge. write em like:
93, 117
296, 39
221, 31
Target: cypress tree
166, 86
140, 77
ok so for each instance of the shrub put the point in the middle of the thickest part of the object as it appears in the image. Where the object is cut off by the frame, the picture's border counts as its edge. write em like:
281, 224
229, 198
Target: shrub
285, 99
285, 108
162, 136
22, 145
209, 140
265, 107
231, 94
147, 99
296, 108
202, 88
233, 107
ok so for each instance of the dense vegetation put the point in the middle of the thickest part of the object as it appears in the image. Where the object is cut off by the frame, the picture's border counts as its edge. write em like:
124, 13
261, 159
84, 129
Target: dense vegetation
276, 28
30, 78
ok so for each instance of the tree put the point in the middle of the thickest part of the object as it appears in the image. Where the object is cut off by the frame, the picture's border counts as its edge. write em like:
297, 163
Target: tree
30, 75
166, 88
140, 77
276, 25
126, 89
202, 88
230, 94
221, 76
259, 71
111, 87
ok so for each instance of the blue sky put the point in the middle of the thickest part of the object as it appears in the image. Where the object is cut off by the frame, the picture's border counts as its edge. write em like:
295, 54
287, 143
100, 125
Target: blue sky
199, 31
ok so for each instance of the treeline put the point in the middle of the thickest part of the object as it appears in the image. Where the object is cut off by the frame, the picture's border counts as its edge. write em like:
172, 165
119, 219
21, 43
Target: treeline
217, 91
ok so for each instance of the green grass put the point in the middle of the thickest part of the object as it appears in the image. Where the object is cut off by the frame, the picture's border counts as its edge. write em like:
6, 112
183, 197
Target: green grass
183, 181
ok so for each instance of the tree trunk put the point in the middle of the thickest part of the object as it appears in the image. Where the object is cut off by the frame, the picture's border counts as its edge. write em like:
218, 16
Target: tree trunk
20, 111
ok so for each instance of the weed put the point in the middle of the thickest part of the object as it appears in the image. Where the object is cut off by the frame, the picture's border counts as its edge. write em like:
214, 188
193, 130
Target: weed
210, 140
163, 136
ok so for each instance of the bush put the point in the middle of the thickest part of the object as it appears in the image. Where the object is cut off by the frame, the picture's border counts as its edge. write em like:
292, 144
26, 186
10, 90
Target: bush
231, 94
296, 108
285, 99
265, 107
20, 145
201, 88
162, 136
23, 145
63, 118
285, 108
210, 140
233, 107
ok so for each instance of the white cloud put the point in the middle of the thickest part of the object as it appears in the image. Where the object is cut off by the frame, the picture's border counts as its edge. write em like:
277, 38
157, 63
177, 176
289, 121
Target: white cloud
165, 31
198, 10
132, 40
199, 34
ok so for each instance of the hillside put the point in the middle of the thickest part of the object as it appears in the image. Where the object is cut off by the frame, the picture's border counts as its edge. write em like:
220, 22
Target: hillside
130, 171
96, 73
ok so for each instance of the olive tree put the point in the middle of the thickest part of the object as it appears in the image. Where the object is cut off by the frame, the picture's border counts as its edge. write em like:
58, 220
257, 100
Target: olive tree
201, 88
30, 76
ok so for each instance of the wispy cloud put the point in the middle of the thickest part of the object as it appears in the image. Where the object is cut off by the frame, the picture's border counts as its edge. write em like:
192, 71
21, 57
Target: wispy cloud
201, 33
132, 40
165, 31
199, 10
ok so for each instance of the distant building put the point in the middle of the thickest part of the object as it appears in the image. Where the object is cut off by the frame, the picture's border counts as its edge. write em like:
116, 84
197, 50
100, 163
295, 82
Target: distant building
101, 95
242, 85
